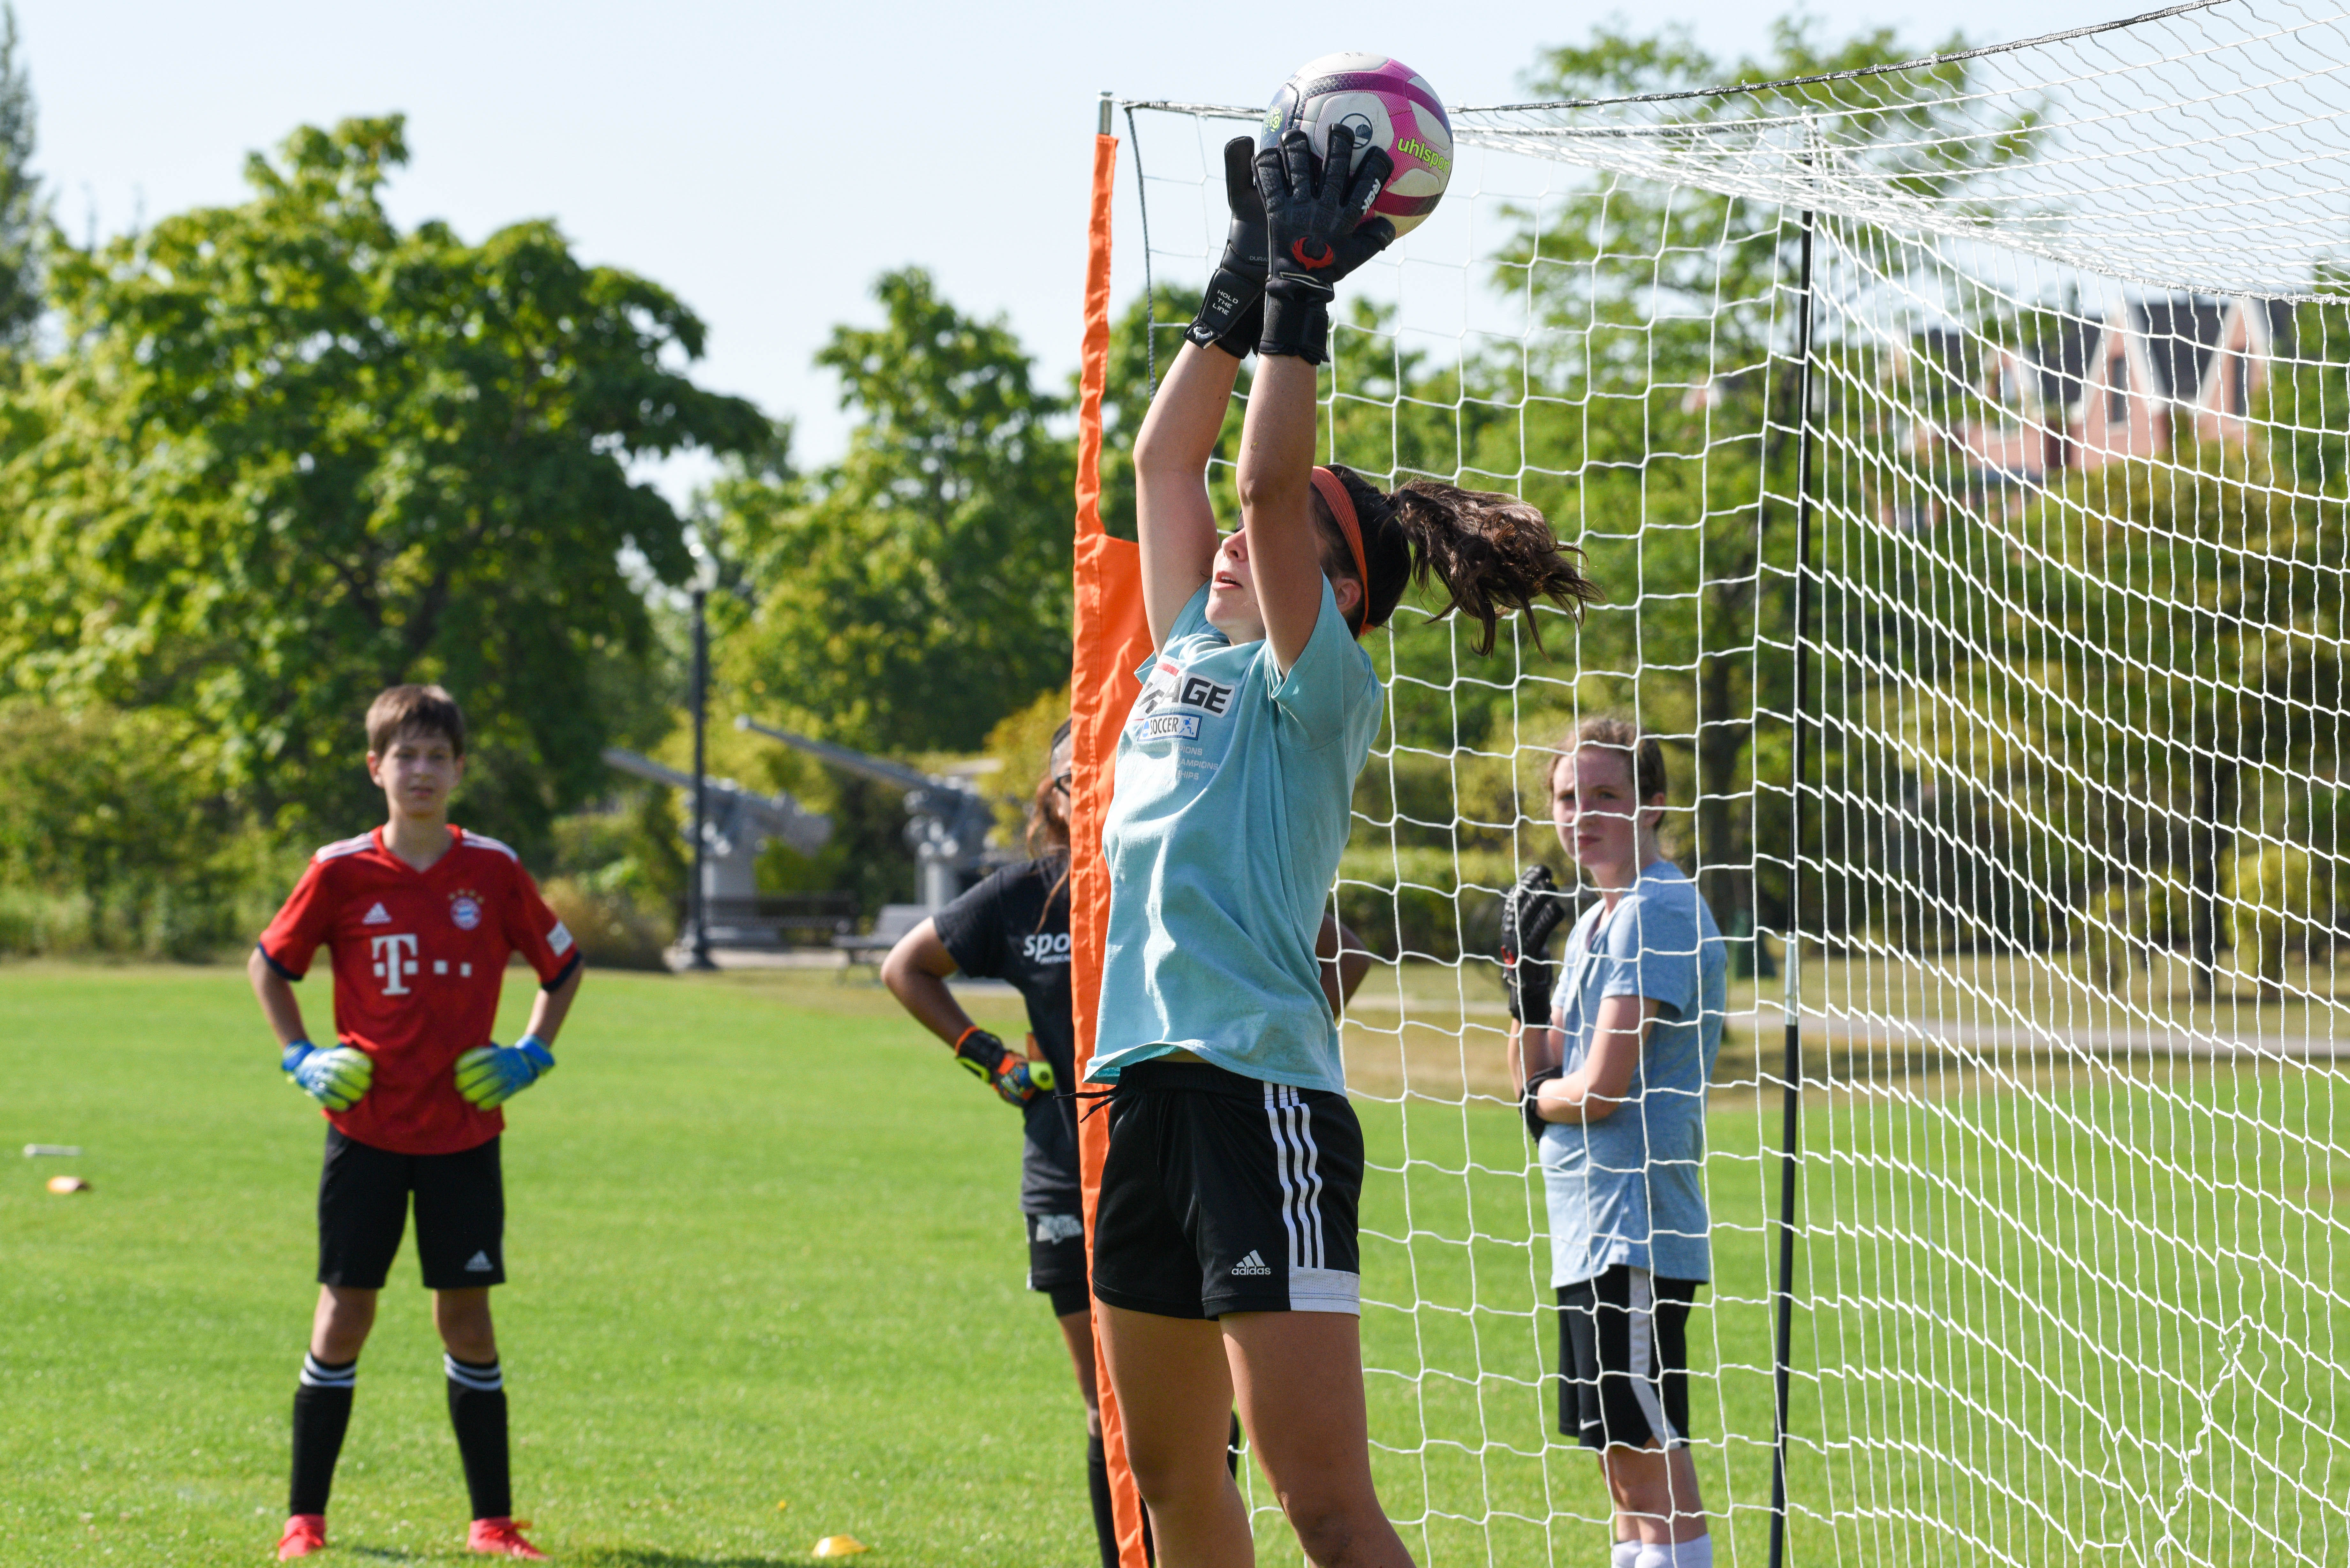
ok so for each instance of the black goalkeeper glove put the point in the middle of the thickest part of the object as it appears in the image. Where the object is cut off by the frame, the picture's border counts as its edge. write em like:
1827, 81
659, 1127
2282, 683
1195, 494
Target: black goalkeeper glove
1010, 1075
1314, 215
1531, 911
1526, 1101
1232, 312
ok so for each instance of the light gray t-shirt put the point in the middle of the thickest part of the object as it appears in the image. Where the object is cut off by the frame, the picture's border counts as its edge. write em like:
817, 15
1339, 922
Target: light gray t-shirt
1234, 788
1629, 1188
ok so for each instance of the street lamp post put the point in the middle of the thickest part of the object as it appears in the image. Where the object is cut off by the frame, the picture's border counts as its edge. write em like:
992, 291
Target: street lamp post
705, 578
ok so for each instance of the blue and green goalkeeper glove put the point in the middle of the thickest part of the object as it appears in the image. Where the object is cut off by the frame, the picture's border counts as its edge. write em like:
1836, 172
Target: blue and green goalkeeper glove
490, 1075
1010, 1075
334, 1077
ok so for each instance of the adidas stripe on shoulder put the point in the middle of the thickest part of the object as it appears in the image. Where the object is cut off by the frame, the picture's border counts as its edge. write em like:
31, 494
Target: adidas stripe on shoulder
473, 840
342, 847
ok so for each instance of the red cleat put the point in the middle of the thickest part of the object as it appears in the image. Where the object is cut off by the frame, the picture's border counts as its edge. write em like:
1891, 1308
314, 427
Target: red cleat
305, 1533
502, 1538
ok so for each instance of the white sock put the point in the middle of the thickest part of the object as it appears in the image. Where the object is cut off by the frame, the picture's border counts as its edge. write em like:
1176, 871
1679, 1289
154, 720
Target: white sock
1626, 1555
1697, 1553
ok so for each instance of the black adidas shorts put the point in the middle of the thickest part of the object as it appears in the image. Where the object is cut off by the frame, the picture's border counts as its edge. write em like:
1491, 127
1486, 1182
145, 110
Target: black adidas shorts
1222, 1194
461, 1215
1623, 1360
1056, 1260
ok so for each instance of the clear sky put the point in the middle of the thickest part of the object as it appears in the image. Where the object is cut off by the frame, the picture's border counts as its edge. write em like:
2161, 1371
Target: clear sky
766, 161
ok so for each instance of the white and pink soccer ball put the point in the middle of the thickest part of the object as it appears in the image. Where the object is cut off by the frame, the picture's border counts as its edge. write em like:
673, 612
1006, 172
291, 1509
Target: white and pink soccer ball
1387, 104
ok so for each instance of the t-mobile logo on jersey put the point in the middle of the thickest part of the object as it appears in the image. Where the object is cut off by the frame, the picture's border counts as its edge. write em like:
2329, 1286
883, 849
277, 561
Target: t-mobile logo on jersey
395, 960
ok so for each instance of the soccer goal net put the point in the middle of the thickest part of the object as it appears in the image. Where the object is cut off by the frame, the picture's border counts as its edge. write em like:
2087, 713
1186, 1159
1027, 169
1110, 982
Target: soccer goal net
1963, 449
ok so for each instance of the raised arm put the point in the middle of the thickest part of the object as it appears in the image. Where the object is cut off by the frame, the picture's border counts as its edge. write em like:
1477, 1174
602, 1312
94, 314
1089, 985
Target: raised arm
1276, 508
1314, 220
1172, 515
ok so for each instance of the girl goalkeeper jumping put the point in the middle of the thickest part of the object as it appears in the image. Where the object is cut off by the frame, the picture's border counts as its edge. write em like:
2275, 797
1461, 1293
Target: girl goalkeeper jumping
1015, 927
1225, 1248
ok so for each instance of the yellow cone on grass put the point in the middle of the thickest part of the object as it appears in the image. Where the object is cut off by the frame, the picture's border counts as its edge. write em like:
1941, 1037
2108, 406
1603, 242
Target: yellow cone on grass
840, 1546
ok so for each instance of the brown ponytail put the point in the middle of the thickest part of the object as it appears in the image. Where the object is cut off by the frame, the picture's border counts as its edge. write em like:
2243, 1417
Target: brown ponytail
1494, 554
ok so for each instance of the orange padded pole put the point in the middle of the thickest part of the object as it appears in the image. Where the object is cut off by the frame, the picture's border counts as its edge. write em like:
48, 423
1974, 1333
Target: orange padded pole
1112, 637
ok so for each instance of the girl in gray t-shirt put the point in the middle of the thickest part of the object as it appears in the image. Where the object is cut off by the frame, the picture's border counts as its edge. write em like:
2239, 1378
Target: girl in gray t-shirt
1615, 1088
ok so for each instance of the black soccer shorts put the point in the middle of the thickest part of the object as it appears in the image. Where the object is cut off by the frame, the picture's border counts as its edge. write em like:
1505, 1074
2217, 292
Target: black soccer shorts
1056, 1260
1224, 1194
461, 1215
1623, 1360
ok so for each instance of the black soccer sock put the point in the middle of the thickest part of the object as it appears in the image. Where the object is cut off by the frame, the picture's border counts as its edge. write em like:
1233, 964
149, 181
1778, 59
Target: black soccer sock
1105, 1515
477, 1409
322, 1413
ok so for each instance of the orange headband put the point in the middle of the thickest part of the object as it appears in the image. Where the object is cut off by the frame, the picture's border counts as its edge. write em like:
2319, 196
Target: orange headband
1342, 508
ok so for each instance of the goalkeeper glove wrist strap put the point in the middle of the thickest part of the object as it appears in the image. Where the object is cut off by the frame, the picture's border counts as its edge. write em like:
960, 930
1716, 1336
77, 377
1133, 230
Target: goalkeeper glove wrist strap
1527, 1101
1297, 321
1232, 314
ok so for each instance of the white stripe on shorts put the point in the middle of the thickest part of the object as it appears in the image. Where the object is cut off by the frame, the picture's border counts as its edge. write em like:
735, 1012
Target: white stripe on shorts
1641, 1309
1300, 1165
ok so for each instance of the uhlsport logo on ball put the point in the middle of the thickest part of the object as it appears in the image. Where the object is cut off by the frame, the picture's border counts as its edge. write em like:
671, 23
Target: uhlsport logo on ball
1386, 104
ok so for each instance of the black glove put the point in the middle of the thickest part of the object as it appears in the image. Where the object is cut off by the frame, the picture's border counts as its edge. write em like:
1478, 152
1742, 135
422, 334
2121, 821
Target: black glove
1314, 215
1531, 911
1534, 1123
1232, 312
1011, 1075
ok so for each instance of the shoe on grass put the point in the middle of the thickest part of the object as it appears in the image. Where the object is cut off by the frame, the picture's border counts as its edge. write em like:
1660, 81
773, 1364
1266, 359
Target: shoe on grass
305, 1533
502, 1538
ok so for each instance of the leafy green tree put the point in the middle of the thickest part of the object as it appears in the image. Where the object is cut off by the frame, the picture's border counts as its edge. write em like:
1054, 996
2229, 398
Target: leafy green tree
1655, 411
911, 595
21, 212
108, 826
2161, 662
294, 454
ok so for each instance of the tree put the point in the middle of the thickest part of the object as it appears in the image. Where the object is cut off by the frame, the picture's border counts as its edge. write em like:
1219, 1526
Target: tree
913, 594
1661, 386
294, 454
21, 212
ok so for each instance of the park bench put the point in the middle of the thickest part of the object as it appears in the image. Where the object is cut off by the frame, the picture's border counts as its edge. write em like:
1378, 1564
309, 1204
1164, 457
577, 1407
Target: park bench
893, 922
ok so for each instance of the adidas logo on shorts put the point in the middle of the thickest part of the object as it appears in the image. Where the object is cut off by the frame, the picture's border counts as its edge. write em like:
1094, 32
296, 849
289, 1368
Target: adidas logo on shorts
479, 1263
1252, 1264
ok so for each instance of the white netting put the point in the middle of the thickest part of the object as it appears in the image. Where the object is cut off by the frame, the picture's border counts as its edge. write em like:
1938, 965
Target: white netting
2062, 868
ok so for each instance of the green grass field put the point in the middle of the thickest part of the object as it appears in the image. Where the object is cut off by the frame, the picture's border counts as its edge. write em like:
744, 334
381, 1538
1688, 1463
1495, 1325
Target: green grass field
760, 1253
764, 1250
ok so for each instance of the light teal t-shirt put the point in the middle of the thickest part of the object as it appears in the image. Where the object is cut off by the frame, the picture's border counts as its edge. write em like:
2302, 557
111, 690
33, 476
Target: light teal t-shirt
1232, 801
1631, 1188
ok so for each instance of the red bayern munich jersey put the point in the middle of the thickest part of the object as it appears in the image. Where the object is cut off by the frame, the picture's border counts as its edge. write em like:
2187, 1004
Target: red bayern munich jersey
419, 957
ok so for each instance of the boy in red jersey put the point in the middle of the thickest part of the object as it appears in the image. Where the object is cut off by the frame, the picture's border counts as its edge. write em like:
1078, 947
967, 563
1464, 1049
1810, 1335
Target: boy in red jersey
421, 917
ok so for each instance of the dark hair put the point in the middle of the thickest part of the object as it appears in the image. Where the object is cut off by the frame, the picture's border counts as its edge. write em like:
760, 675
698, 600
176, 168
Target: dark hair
1609, 732
1493, 552
1046, 835
418, 710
